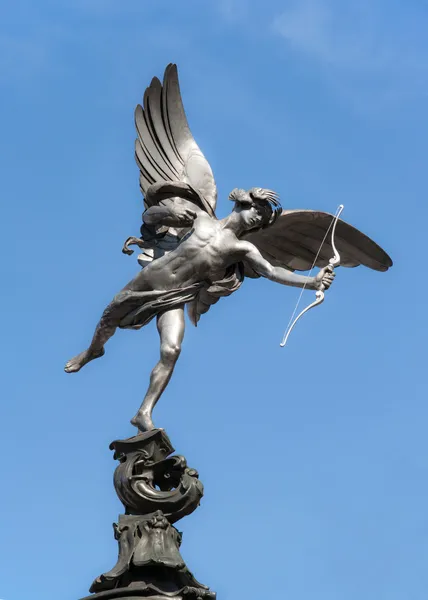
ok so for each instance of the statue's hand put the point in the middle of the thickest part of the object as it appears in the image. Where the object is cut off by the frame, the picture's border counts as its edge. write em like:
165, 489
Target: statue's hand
180, 216
325, 278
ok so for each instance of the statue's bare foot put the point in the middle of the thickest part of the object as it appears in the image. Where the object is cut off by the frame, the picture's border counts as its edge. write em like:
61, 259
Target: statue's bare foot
79, 361
143, 421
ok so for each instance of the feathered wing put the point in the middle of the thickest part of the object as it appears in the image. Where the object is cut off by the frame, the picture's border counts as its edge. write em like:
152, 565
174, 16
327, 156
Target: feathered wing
294, 239
165, 149
174, 170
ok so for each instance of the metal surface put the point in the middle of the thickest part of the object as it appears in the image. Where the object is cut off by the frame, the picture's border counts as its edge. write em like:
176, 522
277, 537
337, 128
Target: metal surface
190, 257
156, 490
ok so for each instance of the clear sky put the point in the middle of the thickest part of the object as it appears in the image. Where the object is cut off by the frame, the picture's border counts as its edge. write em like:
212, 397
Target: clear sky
314, 457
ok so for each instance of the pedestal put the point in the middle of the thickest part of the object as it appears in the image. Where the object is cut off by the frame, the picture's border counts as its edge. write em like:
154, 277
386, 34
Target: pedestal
157, 490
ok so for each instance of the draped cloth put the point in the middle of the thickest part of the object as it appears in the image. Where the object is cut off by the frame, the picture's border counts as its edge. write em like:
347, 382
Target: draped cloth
136, 309
139, 308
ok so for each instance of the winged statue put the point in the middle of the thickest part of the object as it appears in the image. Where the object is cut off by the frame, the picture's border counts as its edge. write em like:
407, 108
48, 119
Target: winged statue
191, 258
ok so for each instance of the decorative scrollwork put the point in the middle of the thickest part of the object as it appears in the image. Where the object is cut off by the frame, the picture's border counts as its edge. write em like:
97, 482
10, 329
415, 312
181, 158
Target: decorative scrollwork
146, 480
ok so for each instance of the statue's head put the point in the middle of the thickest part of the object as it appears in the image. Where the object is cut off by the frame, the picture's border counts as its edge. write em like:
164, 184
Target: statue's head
258, 208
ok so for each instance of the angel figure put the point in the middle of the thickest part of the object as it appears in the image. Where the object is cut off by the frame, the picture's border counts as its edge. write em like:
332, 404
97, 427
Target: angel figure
189, 257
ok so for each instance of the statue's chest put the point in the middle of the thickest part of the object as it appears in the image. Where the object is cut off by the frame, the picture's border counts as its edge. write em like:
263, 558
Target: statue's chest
206, 243
204, 235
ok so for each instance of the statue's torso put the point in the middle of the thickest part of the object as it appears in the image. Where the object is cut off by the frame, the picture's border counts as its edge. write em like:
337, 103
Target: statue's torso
202, 255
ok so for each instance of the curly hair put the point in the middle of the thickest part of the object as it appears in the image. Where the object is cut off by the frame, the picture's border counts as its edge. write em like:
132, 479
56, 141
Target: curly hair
266, 201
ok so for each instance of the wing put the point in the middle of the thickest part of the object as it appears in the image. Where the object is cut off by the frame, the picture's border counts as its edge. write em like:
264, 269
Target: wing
295, 238
165, 149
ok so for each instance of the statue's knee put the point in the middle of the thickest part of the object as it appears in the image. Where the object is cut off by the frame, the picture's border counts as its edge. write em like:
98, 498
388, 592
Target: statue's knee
108, 321
113, 314
170, 352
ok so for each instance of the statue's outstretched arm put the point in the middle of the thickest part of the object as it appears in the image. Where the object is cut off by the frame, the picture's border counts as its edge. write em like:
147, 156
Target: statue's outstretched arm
256, 261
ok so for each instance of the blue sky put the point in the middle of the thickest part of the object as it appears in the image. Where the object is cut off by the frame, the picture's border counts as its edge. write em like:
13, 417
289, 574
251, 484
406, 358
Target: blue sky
314, 456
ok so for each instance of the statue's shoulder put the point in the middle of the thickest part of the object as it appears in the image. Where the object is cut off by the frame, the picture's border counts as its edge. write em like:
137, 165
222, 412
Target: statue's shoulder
206, 221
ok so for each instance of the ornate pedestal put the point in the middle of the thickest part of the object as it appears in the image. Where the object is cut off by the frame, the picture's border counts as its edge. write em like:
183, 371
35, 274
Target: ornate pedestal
156, 491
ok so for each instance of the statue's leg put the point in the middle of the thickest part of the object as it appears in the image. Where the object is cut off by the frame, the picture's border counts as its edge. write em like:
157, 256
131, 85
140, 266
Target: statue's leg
171, 331
103, 332
108, 323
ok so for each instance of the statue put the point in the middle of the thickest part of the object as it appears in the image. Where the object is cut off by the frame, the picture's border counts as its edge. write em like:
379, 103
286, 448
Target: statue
189, 257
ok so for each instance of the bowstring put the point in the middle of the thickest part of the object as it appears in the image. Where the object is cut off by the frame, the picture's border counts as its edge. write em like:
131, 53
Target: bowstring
310, 271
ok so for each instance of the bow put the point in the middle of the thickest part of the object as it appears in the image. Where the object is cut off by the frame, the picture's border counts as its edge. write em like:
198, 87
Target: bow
333, 262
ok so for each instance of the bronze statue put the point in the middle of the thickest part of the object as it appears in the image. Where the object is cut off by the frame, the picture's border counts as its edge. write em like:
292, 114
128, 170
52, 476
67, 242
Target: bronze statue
189, 257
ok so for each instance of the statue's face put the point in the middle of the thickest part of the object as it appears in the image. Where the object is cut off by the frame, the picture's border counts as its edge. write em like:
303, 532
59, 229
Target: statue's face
256, 207
251, 216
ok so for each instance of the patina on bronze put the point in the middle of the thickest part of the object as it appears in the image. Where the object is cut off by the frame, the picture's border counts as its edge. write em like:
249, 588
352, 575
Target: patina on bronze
191, 258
